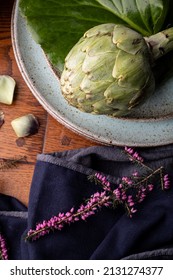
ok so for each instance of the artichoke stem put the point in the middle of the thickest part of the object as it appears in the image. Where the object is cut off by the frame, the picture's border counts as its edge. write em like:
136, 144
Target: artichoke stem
160, 43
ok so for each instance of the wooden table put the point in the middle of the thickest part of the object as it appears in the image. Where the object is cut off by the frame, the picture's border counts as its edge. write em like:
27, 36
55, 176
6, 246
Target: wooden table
52, 136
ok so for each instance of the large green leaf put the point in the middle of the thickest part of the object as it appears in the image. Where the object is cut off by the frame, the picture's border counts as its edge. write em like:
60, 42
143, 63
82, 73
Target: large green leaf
147, 17
57, 25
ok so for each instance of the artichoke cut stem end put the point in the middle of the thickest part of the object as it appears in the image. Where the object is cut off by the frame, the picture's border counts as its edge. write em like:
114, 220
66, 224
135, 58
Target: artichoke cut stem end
161, 43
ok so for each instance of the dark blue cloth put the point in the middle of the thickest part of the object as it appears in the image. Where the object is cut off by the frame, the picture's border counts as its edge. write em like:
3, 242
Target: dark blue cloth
60, 182
13, 222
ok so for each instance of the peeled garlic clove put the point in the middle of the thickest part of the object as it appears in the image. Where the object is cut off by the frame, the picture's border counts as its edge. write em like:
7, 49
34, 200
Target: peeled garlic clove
1, 118
25, 125
7, 86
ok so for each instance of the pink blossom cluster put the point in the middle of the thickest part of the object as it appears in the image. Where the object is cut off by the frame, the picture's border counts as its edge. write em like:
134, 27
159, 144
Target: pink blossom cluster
119, 194
103, 180
142, 192
127, 180
133, 156
130, 200
3, 249
96, 201
93, 204
166, 182
123, 197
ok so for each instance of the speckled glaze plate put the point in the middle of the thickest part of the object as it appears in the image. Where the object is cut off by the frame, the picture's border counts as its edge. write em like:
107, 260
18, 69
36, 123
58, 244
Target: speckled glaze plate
144, 128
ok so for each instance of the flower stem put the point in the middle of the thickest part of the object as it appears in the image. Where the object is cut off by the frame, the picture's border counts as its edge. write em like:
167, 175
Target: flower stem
140, 163
154, 172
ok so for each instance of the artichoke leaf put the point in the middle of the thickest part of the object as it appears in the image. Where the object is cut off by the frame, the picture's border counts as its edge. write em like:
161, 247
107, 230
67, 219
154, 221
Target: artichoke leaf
97, 67
72, 60
118, 97
70, 80
89, 86
101, 107
129, 40
97, 46
131, 70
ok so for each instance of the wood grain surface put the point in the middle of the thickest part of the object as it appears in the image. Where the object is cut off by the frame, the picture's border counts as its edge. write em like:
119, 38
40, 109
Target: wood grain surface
51, 136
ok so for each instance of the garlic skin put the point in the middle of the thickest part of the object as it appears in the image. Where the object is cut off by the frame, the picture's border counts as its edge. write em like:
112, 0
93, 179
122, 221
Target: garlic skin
25, 125
7, 86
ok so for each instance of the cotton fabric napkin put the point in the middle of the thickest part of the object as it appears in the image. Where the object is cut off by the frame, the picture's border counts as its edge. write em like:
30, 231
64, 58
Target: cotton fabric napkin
60, 182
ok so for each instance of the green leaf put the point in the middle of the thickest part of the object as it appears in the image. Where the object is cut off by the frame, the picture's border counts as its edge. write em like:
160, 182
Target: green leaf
145, 16
57, 25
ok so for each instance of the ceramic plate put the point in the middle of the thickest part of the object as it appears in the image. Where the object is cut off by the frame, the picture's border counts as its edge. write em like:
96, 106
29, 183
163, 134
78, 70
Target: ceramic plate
144, 128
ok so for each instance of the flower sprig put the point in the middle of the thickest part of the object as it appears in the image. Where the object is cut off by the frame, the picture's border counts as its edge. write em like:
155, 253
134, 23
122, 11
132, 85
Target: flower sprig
130, 192
164, 178
3, 248
92, 205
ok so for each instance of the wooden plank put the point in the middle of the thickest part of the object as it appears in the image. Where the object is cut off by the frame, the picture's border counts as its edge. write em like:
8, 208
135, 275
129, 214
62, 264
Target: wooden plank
16, 182
60, 138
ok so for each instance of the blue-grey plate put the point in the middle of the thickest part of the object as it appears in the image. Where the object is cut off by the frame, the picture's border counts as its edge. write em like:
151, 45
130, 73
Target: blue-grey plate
150, 125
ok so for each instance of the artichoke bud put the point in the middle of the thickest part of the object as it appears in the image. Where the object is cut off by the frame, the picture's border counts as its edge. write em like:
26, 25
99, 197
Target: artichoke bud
109, 70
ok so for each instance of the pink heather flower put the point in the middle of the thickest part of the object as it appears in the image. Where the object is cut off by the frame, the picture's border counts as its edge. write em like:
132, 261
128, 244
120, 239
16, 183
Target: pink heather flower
141, 197
133, 155
166, 182
127, 180
129, 150
131, 203
130, 198
150, 187
135, 174
117, 193
133, 210
103, 180
3, 248
137, 157
124, 197
107, 184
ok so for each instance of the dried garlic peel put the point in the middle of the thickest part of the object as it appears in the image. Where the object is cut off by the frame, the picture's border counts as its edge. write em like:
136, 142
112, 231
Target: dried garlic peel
7, 86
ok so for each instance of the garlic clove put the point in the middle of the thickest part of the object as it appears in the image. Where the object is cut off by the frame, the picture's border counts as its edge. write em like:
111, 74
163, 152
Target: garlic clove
1, 118
25, 125
7, 86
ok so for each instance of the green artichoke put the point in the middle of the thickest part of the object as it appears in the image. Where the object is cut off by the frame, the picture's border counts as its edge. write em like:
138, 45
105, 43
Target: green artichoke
109, 70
